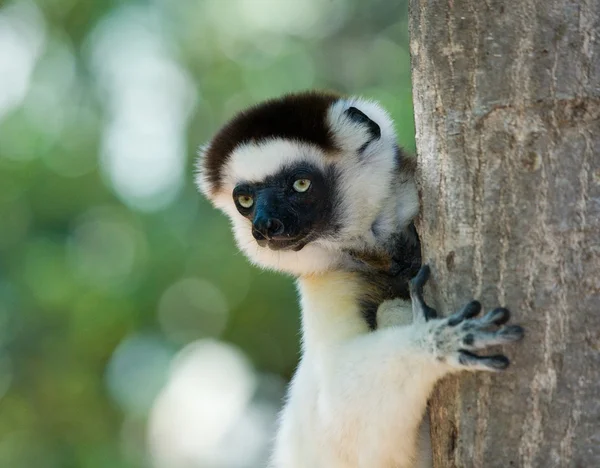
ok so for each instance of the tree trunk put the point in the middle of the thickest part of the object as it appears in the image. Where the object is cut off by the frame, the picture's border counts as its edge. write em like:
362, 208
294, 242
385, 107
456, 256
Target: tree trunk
507, 110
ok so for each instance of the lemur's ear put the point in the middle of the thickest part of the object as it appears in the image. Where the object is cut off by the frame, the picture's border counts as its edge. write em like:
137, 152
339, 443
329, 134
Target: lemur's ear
359, 117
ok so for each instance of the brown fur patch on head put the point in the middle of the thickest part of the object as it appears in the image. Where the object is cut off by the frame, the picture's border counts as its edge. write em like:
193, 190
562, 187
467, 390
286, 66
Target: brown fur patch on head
407, 164
301, 117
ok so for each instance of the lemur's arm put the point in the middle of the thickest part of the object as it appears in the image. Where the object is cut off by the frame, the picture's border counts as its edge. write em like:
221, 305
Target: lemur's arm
392, 370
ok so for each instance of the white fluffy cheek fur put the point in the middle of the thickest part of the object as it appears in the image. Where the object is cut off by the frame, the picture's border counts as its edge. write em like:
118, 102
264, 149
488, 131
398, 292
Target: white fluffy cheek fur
364, 188
199, 176
364, 191
410, 196
311, 259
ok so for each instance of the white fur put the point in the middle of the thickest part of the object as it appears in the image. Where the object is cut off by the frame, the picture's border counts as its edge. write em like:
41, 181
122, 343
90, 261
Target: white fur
357, 399
199, 175
252, 162
311, 259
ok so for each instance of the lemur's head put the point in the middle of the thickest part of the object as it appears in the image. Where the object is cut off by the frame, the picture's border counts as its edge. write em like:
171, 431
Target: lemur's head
302, 177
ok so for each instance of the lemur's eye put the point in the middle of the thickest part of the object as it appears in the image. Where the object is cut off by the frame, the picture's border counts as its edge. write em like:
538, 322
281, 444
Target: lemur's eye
301, 185
245, 201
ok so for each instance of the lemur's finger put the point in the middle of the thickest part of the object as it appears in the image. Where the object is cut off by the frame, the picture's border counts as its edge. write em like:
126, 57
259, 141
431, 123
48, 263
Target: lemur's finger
417, 283
420, 309
429, 312
498, 316
483, 339
489, 363
469, 311
511, 333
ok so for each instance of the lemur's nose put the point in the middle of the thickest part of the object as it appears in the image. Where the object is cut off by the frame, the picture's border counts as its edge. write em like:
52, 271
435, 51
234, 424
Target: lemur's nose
266, 228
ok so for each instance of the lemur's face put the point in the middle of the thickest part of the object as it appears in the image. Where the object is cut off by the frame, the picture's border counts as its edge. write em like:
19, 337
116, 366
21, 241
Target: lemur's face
299, 176
290, 208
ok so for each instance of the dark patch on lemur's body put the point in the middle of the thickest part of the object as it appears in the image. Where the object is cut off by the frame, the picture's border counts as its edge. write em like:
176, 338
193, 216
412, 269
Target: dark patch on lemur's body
387, 272
469, 339
361, 118
380, 287
375, 228
405, 164
300, 117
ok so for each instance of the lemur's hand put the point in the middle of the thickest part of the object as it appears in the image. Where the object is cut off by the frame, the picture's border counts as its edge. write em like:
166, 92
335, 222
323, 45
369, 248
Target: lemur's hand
452, 339
456, 336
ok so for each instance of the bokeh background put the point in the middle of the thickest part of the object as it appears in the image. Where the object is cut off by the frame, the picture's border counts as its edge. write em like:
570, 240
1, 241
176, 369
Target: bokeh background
132, 332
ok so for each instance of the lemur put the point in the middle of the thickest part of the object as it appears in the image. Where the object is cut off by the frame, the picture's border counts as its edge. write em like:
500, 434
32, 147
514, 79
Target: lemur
316, 186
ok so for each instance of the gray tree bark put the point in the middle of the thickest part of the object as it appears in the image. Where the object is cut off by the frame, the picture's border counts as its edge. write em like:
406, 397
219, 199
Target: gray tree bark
507, 110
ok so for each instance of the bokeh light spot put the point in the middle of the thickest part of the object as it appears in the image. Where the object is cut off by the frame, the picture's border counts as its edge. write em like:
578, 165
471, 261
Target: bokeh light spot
104, 247
22, 38
137, 371
192, 308
209, 389
149, 97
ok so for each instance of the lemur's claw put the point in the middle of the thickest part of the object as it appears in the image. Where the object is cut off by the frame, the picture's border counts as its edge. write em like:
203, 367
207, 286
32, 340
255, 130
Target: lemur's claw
511, 333
492, 363
469, 311
498, 316
420, 309
419, 281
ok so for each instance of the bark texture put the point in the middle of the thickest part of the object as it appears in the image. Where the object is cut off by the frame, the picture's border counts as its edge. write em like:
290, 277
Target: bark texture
507, 110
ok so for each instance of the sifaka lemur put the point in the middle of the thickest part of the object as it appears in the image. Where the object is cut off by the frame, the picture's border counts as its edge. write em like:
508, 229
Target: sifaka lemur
316, 186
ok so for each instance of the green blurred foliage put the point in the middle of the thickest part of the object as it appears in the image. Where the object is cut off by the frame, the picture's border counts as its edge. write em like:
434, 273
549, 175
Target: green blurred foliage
84, 264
